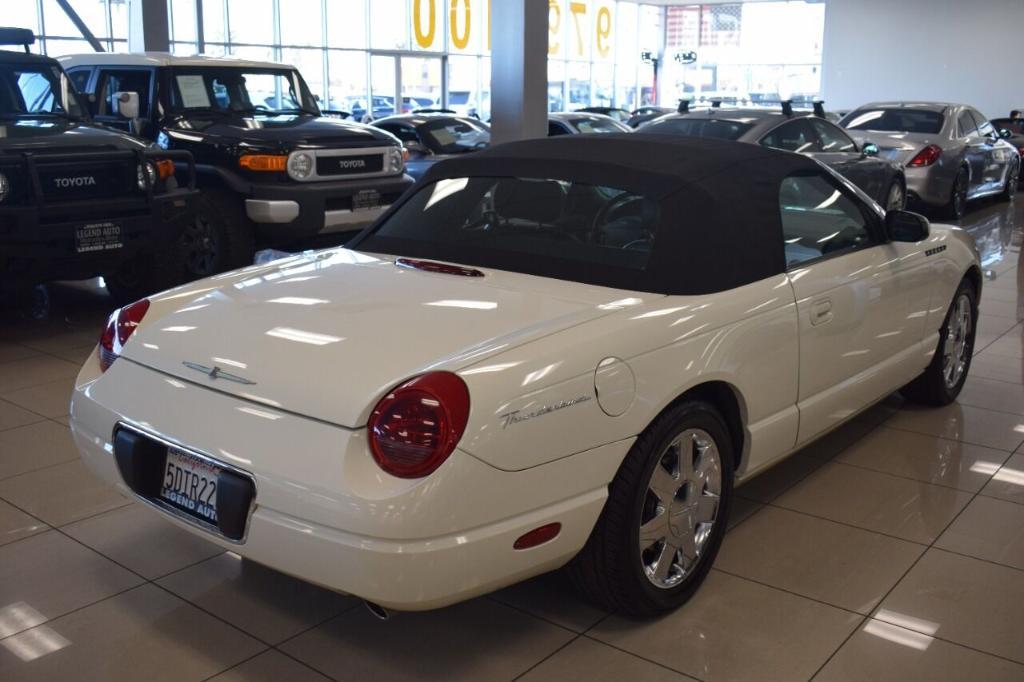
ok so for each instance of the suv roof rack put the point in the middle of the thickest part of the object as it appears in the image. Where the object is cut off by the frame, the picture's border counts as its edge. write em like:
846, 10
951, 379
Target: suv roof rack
17, 36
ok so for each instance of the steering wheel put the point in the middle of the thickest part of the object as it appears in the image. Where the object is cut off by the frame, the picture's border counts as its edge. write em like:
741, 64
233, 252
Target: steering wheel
602, 218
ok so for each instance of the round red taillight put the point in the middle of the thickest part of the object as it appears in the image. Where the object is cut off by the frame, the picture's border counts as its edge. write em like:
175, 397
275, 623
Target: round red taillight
120, 326
417, 425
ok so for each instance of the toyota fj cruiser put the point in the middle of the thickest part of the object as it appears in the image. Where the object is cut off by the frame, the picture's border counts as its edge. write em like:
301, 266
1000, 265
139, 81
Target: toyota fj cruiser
78, 200
272, 169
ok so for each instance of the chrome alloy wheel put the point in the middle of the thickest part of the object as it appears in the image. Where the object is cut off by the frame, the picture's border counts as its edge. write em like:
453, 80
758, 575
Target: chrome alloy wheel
680, 508
956, 346
201, 245
896, 201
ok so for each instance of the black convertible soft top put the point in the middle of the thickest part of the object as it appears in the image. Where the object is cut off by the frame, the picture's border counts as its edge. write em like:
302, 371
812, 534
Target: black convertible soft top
720, 225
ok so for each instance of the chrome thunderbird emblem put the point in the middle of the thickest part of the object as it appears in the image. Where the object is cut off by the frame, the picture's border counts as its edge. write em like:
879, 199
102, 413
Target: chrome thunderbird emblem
217, 373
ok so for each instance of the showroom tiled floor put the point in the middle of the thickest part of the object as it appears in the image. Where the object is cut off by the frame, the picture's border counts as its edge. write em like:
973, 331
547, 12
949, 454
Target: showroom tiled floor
893, 549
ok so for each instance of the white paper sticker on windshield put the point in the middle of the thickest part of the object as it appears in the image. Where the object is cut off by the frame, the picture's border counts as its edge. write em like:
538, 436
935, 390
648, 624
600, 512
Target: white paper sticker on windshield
193, 92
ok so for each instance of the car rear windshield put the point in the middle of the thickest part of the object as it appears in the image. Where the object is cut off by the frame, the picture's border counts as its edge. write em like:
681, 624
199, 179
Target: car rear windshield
548, 227
455, 136
589, 126
699, 127
899, 120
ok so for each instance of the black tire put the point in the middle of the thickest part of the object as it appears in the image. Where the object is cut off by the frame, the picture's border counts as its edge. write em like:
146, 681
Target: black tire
141, 276
897, 184
956, 207
609, 570
221, 238
932, 386
1012, 182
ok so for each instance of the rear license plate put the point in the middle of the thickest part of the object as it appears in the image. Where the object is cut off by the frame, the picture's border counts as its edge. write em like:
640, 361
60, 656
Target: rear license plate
190, 484
365, 200
98, 237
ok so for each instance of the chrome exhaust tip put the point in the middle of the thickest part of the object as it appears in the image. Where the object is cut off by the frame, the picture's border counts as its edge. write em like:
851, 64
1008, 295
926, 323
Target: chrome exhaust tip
377, 610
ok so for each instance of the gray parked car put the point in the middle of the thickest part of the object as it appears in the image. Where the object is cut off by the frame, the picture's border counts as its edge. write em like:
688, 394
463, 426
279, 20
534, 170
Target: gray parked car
582, 123
802, 132
433, 135
951, 152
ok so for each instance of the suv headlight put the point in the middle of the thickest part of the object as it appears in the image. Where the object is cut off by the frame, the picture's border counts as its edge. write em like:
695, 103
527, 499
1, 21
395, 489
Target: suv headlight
396, 159
146, 172
5, 187
300, 165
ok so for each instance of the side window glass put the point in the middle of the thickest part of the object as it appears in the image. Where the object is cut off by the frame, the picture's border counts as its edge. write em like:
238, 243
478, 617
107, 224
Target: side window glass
795, 136
112, 82
556, 129
965, 124
984, 127
80, 77
818, 219
832, 138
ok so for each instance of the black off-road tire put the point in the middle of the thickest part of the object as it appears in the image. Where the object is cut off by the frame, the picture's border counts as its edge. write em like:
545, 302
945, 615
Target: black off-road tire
221, 239
608, 570
145, 274
931, 387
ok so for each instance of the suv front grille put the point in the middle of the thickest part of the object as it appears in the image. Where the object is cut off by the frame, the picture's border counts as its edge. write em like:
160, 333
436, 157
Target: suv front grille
349, 165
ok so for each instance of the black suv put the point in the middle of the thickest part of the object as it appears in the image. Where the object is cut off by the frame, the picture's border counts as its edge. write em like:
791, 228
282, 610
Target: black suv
272, 169
78, 200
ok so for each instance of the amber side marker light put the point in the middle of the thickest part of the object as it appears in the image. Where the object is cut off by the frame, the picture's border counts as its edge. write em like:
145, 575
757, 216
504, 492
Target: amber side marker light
164, 168
264, 162
538, 536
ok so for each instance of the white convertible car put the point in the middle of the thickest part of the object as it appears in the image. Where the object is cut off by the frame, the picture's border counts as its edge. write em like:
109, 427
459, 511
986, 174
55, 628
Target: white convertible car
559, 351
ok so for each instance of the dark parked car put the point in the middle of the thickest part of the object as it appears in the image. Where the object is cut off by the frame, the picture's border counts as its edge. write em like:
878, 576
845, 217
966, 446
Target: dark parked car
645, 114
620, 115
272, 169
432, 137
805, 133
951, 152
78, 200
577, 123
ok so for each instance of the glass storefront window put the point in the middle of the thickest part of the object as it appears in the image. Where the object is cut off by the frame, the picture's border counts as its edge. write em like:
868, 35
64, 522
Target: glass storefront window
251, 22
421, 83
579, 85
389, 25
302, 23
346, 24
57, 23
347, 84
182, 24
214, 13
310, 64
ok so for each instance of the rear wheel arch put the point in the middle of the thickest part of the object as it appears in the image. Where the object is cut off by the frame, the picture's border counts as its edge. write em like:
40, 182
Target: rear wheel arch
728, 400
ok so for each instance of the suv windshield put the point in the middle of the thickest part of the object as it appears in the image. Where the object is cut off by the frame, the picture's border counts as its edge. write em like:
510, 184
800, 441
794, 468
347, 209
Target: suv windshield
37, 91
564, 229
240, 90
901, 120
454, 136
698, 127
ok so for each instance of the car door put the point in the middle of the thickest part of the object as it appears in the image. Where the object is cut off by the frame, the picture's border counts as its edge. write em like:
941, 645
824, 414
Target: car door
976, 150
861, 310
840, 152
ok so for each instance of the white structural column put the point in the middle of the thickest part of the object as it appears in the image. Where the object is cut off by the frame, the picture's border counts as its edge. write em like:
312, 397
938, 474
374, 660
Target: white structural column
519, 69
147, 26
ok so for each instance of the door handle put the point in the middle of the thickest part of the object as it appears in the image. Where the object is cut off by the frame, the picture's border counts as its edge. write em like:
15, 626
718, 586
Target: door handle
821, 312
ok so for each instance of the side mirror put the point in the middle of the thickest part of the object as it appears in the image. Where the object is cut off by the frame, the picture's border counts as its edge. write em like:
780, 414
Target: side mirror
905, 226
417, 148
869, 149
1004, 133
127, 104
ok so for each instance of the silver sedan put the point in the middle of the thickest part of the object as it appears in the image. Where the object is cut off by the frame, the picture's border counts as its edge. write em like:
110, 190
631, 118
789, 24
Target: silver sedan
951, 152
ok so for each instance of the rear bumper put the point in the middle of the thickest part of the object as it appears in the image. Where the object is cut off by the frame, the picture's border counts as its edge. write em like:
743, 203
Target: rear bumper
285, 212
325, 513
37, 243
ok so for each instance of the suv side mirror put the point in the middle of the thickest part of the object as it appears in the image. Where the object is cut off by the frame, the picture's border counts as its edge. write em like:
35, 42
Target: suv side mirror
906, 226
127, 104
869, 149
416, 148
1004, 133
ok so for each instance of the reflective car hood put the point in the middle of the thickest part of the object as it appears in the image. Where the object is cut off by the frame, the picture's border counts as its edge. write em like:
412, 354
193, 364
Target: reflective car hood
293, 130
325, 335
55, 135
